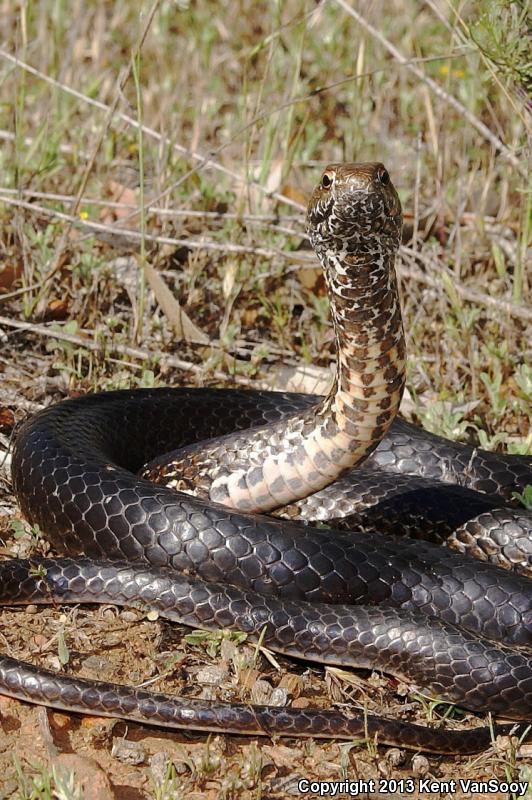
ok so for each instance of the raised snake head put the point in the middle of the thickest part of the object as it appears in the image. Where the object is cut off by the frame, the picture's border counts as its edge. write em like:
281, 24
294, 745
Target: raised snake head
354, 210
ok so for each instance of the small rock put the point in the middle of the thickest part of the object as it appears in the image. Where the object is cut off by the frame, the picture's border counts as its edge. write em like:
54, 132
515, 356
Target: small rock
159, 765
128, 752
99, 730
59, 721
392, 759
420, 766
129, 616
279, 697
8, 789
54, 662
96, 664
396, 757
211, 675
261, 692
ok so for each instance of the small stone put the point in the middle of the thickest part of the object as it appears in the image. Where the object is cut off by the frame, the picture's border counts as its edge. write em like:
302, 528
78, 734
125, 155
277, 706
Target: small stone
128, 752
60, 721
9, 787
420, 766
159, 765
392, 759
211, 675
129, 616
261, 692
96, 664
54, 663
279, 697
396, 757
89, 776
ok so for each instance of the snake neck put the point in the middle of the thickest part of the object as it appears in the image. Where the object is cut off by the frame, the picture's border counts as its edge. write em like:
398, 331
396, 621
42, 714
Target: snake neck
272, 466
370, 369
370, 345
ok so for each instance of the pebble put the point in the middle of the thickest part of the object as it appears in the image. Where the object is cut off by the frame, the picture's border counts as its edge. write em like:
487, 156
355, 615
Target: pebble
129, 616
128, 752
211, 675
420, 766
96, 664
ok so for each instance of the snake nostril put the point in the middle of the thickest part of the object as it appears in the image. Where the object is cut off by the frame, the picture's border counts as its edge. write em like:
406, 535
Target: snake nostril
326, 181
384, 177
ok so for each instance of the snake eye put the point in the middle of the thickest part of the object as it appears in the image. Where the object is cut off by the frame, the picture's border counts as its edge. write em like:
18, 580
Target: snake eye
326, 181
384, 177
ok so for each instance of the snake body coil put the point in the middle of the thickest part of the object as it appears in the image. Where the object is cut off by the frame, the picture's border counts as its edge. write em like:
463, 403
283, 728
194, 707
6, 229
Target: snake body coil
461, 629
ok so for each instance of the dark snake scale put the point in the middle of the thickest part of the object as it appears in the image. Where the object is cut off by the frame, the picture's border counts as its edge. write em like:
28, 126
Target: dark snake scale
460, 629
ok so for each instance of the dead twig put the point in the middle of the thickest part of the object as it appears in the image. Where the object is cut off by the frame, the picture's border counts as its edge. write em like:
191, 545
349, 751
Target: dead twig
267, 220
128, 235
491, 304
109, 346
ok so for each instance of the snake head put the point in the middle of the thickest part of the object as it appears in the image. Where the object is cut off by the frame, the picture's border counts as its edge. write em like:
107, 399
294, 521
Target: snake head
354, 210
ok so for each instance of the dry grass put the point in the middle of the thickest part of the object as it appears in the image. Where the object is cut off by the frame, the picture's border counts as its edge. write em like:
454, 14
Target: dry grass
185, 148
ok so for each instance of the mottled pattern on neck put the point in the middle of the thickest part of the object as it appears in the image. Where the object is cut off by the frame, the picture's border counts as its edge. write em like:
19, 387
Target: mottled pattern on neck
354, 223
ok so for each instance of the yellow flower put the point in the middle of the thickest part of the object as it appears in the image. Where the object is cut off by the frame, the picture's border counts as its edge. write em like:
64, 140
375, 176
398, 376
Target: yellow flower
456, 73
83, 214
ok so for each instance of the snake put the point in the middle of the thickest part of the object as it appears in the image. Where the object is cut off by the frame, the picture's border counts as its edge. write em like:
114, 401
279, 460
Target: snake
159, 498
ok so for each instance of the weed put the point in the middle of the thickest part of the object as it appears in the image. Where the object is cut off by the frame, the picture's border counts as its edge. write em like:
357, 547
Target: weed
525, 498
46, 784
167, 788
212, 640
21, 529
437, 709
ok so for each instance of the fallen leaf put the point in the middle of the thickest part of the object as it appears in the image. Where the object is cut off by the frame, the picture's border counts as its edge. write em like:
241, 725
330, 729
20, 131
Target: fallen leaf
10, 273
57, 309
7, 419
